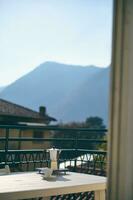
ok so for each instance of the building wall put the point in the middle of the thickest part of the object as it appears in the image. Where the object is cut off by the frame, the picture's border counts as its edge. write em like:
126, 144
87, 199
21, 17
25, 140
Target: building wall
25, 144
2, 134
34, 144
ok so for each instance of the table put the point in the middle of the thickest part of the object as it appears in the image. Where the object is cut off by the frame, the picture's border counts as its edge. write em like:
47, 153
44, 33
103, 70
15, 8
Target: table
32, 184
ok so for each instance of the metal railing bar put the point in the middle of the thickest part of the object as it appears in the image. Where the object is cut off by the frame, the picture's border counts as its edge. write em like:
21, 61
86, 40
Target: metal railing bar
51, 139
55, 128
44, 150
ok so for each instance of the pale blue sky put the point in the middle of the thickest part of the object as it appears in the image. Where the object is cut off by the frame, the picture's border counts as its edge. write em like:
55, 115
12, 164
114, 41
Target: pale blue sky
67, 31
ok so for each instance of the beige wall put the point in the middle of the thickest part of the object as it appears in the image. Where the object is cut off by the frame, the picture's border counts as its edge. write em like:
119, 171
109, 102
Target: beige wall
34, 144
2, 134
120, 176
23, 144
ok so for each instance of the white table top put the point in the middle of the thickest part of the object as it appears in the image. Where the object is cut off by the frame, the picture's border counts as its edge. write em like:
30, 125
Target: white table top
29, 185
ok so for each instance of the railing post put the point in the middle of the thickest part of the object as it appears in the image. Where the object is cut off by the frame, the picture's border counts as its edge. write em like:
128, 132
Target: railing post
75, 164
76, 150
19, 142
76, 140
6, 144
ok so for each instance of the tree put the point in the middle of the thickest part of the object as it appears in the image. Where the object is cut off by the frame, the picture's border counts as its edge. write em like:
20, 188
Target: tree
94, 122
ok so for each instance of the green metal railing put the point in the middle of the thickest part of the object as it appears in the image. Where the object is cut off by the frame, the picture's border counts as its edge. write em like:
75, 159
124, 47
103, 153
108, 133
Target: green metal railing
80, 150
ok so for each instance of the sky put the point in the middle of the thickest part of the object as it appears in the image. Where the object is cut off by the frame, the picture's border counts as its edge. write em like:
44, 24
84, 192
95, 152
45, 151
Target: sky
66, 31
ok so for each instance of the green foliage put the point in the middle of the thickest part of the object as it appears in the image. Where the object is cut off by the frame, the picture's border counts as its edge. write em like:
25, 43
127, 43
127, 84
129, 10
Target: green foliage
103, 146
94, 122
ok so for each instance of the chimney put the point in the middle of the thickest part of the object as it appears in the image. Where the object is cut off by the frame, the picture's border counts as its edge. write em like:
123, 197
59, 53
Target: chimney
42, 111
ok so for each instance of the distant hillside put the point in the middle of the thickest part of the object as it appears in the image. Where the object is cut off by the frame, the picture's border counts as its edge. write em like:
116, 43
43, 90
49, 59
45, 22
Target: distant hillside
2, 88
70, 93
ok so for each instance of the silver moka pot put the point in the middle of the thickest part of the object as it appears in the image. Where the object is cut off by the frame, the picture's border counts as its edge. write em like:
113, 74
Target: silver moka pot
54, 155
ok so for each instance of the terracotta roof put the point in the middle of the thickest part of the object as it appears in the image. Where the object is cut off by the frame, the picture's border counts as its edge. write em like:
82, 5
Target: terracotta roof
14, 110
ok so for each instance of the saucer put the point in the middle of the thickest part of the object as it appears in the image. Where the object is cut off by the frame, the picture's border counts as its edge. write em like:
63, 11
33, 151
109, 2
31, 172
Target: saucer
52, 177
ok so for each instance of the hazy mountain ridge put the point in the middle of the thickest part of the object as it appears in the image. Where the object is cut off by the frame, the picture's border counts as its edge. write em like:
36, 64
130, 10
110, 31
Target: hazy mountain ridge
2, 88
70, 93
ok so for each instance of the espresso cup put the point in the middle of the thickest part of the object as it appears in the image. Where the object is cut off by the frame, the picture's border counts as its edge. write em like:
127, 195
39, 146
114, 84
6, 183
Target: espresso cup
47, 172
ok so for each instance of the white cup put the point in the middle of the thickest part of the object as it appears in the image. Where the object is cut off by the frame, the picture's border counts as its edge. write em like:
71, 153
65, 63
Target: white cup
47, 172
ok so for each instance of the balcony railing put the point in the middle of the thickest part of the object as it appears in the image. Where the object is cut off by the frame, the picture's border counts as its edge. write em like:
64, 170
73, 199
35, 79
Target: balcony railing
80, 150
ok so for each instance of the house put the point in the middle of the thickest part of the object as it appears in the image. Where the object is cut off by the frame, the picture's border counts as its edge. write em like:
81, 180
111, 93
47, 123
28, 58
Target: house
11, 113
14, 114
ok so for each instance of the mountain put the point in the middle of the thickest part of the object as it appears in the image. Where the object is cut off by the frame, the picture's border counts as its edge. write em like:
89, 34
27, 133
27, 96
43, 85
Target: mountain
70, 93
2, 88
